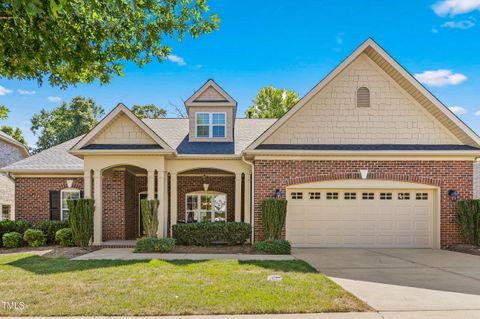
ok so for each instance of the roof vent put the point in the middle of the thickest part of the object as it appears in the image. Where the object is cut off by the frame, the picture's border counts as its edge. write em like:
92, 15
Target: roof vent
363, 97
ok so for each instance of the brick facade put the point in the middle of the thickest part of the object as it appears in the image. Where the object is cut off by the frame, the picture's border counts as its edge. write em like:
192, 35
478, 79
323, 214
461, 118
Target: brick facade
278, 174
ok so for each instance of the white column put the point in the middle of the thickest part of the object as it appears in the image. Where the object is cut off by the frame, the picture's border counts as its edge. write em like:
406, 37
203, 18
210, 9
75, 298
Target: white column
248, 191
161, 204
97, 216
238, 196
151, 184
87, 183
173, 198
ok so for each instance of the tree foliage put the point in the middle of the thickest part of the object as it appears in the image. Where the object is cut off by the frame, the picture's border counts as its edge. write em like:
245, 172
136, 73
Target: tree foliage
150, 111
274, 212
272, 103
78, 41
3, 112
16, 133
65, 122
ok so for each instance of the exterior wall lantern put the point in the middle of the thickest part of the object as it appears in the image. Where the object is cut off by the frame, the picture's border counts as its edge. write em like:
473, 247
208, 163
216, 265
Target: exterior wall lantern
278, 193
364, 173
453, 195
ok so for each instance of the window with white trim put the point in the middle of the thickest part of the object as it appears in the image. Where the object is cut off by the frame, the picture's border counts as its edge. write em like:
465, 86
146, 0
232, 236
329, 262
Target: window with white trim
368, 196
403, 196
421, 196
314, 195
206, 208
348, 196
210, 124
385, 196
332, 195
65, 194
5, 212
296, 195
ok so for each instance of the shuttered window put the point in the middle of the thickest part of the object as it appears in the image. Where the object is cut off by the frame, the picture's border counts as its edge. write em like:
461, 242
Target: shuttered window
363, 97
54, 205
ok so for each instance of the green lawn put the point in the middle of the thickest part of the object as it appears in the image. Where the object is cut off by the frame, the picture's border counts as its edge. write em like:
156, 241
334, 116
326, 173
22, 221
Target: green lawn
50, 286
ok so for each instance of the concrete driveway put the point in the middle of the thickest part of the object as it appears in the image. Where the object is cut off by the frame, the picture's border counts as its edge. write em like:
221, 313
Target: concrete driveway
402, 279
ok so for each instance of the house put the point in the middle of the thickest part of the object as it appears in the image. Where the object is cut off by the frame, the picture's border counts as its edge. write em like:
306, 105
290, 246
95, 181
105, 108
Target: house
368, 158
10, 151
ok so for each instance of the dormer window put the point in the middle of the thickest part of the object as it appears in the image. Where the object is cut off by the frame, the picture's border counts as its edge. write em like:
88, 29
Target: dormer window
210, 124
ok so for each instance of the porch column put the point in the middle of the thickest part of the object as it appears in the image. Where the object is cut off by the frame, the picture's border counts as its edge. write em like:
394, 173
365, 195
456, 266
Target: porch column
97, 215
248, 191
161, 204
151, 184
238, 196
87, 183
173, 198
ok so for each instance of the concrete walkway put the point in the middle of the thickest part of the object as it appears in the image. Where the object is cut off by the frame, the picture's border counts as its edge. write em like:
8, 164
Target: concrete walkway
128, 254
403, 280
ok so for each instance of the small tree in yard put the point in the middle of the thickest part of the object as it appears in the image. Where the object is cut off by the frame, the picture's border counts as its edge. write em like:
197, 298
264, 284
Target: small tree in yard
149, 209
274, 212
80, 218
468, 218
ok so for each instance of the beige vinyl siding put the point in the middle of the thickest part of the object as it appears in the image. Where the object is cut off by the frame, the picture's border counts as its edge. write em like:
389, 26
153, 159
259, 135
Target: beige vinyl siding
202, 109
210, 94
122, 130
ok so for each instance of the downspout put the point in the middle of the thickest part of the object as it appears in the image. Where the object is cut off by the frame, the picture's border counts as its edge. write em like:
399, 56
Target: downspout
252, 197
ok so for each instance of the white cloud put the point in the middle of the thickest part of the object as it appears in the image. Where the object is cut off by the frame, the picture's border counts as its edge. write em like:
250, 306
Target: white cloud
454, 7
458, 110
54, 98
4, 90
26, 92
440, 77
464, 24
434, 30
477, 113
176, 59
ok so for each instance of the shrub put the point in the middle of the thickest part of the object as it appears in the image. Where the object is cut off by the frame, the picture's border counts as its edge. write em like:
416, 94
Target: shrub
468, 218
12, 240
35, 238
274, 212
274, 247
149, 208
18, 226
64, 237
154, 245
204, 234
80, 218
50, 228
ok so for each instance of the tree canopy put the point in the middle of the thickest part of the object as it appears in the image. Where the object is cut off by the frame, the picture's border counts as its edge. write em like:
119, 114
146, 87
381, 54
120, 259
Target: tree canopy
150, 111
65, 122
16, 133
272, 103
3, 112
79, 41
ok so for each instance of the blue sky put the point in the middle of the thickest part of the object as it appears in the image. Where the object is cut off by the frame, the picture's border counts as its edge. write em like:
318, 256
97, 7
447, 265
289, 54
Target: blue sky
290, 45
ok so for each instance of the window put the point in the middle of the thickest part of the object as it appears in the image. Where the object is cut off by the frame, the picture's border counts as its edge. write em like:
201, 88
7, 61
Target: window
297, 195
67, 194
210, 124
350, 196
332, 195
403, 196
385, 196
421, 196
5, 212
368, 196
363, 97
206, 208
314, 195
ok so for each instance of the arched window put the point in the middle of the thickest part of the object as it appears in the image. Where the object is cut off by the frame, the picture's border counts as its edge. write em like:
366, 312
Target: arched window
68, 193
206, 207
363, 97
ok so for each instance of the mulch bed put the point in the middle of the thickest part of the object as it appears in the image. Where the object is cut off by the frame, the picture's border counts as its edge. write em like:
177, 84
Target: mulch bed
50, 251
467, 249
214, 249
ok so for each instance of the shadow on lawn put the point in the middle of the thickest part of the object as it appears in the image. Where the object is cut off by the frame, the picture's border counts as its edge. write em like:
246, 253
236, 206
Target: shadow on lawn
281, 265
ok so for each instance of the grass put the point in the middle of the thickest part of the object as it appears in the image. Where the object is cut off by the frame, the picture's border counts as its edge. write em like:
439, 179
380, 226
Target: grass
62, 287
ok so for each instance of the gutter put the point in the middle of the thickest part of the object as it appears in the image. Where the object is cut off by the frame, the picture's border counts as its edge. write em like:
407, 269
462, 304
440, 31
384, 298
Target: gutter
252, 198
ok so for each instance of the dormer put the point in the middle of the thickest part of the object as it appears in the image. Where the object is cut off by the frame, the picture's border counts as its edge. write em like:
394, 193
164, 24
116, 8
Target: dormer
211, 113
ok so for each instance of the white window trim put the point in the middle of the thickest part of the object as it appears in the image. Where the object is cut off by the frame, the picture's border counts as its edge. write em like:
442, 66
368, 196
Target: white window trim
9, 211
198, 210
211, 125
65, 190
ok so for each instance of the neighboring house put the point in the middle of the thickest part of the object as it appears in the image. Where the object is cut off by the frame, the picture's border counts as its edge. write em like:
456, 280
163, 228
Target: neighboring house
367, 158
11, 151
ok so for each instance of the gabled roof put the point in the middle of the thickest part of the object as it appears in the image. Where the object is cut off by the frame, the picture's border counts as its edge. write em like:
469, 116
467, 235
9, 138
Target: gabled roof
6, 138
210, 94
81, 145
376, 53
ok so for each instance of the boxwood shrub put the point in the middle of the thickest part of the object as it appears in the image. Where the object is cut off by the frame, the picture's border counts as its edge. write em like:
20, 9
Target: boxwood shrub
50, 228
18, 226
35, 238
154, 245
64, 237
12, 240
274, 247
207, 233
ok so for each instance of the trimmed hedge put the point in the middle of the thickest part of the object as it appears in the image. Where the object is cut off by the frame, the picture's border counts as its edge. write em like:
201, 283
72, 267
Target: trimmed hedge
154, 245
274, 247
207, 233
80, 218
274, 212
17, 226
64, 237
50, 228
12, 240
468, 218
35, 238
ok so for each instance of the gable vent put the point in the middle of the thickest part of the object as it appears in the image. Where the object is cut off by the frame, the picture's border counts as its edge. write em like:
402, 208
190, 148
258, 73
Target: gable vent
363, 97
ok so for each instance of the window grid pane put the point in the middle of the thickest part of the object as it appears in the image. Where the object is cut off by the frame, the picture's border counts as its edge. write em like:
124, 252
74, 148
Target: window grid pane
332, 195
403, 196
314, 195
218, 118
202, 131
385, 196
203, 118
297, 195
218, 131
348, 196
368, 196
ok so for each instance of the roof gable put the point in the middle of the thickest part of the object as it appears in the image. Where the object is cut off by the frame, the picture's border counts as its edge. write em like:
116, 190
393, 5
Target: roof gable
8, 139
405, 80
210, 94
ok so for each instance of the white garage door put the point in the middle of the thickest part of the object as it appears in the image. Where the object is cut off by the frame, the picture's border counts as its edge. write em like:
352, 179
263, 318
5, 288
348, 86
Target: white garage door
360, 218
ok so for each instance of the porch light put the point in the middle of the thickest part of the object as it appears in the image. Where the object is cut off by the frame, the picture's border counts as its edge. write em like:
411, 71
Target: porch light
364, 173
69, 183
205, 184
453, 195
278, 193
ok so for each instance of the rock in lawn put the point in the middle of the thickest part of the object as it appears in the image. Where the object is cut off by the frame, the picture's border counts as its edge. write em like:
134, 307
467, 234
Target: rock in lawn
274, 278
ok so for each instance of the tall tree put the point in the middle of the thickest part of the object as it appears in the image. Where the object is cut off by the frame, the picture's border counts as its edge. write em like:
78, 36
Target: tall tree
150, 111
16, 133
65, 122
272, 103
79, 41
